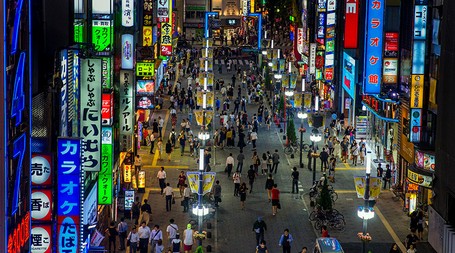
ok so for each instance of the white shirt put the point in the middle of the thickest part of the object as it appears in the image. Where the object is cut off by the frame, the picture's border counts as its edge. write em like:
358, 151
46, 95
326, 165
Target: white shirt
186, 192
254, 136
230, 160
161, 174
144, 232
133, 237
236, 178
188, 240
156, 235
168, 191
172, 230
161, 123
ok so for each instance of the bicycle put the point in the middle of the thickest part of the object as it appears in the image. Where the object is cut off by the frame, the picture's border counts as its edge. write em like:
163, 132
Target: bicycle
293, 147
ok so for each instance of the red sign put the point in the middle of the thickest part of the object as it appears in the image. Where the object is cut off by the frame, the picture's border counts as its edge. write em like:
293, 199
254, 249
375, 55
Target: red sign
41, 202
351, 26
166, 50
106, 109
391, 44
42, 238
19, 236
329, 74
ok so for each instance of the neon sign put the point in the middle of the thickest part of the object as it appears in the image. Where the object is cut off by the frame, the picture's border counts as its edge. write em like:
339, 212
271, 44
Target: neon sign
19, 237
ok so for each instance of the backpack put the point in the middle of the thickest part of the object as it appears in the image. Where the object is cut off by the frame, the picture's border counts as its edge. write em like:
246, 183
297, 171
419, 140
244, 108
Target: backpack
173, 136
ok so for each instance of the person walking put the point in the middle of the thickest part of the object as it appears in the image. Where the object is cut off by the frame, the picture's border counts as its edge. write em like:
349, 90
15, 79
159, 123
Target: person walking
254, 138
159, 148
186, 198
169, 194
137, 163
155, 235
133, 238
264, 163
259, 228
275, 194
217, 192
229, 164
240, 159
261, 248
152, 143
256, 161
136, 210
172, 230
355, 151
146, 210
236, 178
188, 239
362, 153
160, 125
324, 156
269, 162
242, 191
112, 233
159, 247
181, 182
144, 235
182, 141
388, 176
269, 186
295, 180
176, 244
251, 176
276, 161
122, 229
379, 170
161, 175
324, 231
168, 150
286, 241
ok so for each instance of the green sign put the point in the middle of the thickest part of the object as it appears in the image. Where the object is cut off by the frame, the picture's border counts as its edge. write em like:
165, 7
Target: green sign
195, 8
102, 35
105, 174
106, 76
145, 68
79, 31
291, 18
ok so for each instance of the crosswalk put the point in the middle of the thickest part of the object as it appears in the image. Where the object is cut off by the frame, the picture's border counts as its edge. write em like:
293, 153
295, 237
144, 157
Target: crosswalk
241, 62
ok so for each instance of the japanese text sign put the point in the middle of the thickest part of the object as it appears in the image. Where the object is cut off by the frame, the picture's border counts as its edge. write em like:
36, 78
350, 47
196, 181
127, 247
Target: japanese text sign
127, 51
107, 109
349, 74
127, 170
127, 13
351, 27
147, 36
106, 80
420, 22
41, 239
145, 69
102, 35
166, 37
148, 13
391, 44
300, 40
373, 49
41, 205
127, 103
41, 170
417, 82
105, 175
64, 93
90, 117
163, 10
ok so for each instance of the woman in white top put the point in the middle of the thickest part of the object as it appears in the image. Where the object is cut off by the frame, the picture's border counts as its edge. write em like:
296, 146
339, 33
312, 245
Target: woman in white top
355, 153
133, 238
188, 239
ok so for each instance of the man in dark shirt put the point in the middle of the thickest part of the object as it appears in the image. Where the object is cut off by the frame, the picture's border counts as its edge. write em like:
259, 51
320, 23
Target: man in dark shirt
295, 180
411, 238
324, 156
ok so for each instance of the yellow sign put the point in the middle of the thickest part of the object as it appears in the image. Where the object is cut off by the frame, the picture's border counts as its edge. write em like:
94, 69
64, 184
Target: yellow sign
297, 100
209, 64
134, 182
307, 100
274, 65
252, 6
285, 81
269, 53
147, 35
127, 171
141, 178
200, 116
419, 179
209, 98
207, 52
208, 180
417, 82
406, 147
375, 187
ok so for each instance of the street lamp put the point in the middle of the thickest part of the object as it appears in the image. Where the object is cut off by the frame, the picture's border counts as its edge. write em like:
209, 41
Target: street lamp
301, 115
315, 137
366, 212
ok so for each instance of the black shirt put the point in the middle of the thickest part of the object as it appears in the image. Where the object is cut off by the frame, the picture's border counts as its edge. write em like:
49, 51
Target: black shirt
295, 175
146, 208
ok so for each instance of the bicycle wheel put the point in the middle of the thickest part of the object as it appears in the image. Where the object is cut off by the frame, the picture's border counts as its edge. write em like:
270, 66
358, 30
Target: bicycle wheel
334, 196
305, 147
318, 224
313, 215
339, 224
288, 150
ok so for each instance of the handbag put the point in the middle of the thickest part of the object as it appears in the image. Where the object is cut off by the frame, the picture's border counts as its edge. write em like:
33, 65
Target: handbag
279, 206
127, 243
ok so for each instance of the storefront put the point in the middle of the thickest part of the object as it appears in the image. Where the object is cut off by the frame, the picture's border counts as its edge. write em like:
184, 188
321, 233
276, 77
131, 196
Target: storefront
406, 151
349, 91
229, 27
420, 176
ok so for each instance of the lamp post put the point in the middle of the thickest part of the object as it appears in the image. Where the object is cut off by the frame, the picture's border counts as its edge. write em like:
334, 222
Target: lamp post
366, 212
315, 137
301, 115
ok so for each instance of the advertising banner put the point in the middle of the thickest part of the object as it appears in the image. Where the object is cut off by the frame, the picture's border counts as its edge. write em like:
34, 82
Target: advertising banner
416, 125
307, 100
349, 75
64, 93
351, 27
127, 51
148, 14
42, 238
126, 108
312, 67
193, 181
417, 82
91, 206
166, 36
321, 27
129, 199
420, 22
200, 116
41, 170
145, 69
141, 179
105, 175
41, 202
127, 172
298, 100
300, 38
420, 179
147, 36
406, 147
106, 74
127, 13
373, 49
375, 187
391, 44
90, 117
390, 70
145, 87
107, 108
163, 11
102, 35
68, 194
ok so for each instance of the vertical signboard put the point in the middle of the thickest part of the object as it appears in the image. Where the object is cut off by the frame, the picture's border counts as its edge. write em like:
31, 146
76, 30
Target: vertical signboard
300, 34
416, 91
147, 23
127, 13
390, 70
41, 205
418, 58
312, 66
391, 44
126, 119
349, 74
127, 51
90, 118
416, 125
107, 109
102, 35
373, 47
351, 24
64, 93
106, 75
163, 11
41, 170
105, 175
68, 194
166, 36
42, 238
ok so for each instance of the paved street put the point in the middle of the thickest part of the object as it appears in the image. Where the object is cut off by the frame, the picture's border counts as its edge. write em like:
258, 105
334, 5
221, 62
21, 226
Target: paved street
232, 227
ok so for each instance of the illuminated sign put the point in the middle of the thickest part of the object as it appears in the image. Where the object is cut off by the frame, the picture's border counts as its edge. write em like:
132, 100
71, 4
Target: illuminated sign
41, 205
419, 45
141, 179
321, 26
105, 175
145, 69
390, 70
425, 160
417, 82
18, 238
106, 73
163, 10
79, 31
144, 103
127, 51
127, 173
102, 35
64, 93
193, 181
351, 27
322, 5
76, 90
68, 193
420, 179
147, 36
312, 67
41, 170
420, 22
373, 49
90, 118
126, 119
129, 199
245, 7
91, 206
127, 13
166, 38
349, 74
145, 87
300, 40
41, 239
416, 124
102, 7
391, 44
107, 109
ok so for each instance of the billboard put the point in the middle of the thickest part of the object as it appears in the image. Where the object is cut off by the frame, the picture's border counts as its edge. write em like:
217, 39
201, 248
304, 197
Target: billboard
373, 48
349, 75
106, 74
127, 51
351, 27
105, 175
417, 82
126, 109
91, 206
90, 118
166, 38
390, 70
163, 11
145, 68
107, 109
391, 44
127, 13
145, 87
300, 38
68, 194
102, 35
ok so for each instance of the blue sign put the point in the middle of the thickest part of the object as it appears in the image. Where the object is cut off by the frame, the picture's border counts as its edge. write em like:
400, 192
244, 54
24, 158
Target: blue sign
349, 75
321, 25
418, 57
416, 124
420, 22
68, 182
64, 93
373, 47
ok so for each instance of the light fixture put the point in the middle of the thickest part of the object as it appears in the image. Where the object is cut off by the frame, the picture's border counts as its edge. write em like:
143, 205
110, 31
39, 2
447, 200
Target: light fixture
302, 115
270, 64
303, 84
201, 159
203, 136
277, 76
316, 103
289, 93
200, 210
315, 135
365, 213
368, 163
264, 52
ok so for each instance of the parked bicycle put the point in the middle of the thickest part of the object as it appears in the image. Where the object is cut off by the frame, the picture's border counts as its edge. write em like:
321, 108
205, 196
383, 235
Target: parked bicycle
331, 218
294, 147
315, 192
